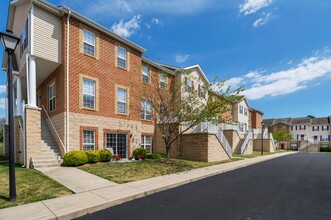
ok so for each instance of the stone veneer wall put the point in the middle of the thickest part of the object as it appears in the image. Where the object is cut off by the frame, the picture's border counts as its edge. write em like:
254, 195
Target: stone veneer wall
105, 124
202, 147
18, 141
267, 145
59, 124
234, 140
6, 139
160, 145
33, 133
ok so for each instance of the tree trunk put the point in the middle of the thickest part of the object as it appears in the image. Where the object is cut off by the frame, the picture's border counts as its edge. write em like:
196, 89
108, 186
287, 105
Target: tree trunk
168, 153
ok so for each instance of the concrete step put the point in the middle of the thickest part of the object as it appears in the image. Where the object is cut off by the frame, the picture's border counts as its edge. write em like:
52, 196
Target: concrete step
45, 165
47, 157
38, 160
50, 154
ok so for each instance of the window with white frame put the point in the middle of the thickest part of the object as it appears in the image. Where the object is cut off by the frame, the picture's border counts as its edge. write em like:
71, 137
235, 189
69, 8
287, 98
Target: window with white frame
146, 143
325, 128
245, 111
89, 43
315, 128
121, 57
51, 96
88, 93
202, 92
241, 109
325, 138
88, 140
163, 81
146, 110
302, 127
189, 85
121, 100
145, 74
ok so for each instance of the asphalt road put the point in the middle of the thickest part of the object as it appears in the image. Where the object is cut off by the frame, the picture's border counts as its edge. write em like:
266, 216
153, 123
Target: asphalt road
292, 187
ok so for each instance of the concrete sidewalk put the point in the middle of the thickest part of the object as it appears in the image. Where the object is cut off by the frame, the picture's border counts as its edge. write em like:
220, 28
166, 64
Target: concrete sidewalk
68, 207
75, 179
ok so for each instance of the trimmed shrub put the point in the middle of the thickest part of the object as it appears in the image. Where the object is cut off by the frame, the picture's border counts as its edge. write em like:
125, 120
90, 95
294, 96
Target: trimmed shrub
75, 158
155, 156
325, 149
139, 153
105, 155
93, 156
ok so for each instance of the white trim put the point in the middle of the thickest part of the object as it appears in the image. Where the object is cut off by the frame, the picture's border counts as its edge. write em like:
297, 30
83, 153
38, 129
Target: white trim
67, 82
31, 28
197, 66
93, 45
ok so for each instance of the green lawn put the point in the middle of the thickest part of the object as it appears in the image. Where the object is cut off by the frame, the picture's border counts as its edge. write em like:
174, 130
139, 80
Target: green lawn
258, 153
31, 186
128, 172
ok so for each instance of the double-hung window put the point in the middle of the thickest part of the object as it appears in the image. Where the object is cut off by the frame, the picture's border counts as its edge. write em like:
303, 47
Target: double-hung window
163, 81
245, 111
146, 143
315, 128
202, 92
145, 74
146, 110
121, 101
51, 96
88, 93
325, 128
190, 85
241, 109
88, 140
89, 43
302, 127
325, 137
121, 57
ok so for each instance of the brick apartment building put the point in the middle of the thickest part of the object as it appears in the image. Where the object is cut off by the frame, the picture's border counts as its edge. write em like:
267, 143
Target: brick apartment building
74, 90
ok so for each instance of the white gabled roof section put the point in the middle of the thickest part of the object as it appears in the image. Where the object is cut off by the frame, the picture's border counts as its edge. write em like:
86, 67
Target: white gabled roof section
197, 66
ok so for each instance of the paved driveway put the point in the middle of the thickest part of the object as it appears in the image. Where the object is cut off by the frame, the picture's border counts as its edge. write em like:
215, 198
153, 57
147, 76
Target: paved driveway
297, 186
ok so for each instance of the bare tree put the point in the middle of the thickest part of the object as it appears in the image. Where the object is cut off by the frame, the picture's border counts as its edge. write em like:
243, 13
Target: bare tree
176, 107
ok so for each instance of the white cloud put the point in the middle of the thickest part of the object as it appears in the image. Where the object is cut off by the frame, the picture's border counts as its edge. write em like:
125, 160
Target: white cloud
2, 89
119, 7
235, 82
290, 80
181, 58
253, 74
2, 103
156, 21
126, 29
252, 6
290, 62
262, 21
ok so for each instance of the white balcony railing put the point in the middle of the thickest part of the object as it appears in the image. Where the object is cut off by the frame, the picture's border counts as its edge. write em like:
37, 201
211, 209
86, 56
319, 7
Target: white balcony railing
247, 140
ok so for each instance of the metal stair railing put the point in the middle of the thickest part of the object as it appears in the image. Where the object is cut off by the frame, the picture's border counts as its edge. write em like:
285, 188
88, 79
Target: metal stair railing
245, 144
57, 134
273, 141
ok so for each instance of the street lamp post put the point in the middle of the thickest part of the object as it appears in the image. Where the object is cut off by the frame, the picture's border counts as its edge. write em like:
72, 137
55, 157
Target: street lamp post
262, 138
9, 43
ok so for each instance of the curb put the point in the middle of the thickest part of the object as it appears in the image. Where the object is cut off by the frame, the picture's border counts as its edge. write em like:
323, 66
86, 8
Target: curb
80, 204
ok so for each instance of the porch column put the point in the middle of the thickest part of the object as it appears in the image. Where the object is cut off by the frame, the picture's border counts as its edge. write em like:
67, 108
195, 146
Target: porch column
32, 85
19, 107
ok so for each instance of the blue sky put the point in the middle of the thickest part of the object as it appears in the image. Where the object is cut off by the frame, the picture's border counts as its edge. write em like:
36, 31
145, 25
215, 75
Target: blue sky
279, 50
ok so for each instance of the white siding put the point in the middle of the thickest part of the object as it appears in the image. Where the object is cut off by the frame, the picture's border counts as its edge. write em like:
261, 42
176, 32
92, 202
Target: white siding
47, 35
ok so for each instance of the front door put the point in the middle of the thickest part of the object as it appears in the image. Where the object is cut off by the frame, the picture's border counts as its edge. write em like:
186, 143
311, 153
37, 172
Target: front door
118, 143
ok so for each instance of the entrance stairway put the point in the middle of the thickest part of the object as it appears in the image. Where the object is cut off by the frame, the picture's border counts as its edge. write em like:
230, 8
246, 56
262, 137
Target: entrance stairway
50, 153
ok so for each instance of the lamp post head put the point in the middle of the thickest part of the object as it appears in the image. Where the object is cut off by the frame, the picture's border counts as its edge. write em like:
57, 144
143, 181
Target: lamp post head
9, 41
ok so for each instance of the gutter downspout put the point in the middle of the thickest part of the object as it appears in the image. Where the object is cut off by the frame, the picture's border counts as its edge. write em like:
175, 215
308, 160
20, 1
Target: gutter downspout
67, 83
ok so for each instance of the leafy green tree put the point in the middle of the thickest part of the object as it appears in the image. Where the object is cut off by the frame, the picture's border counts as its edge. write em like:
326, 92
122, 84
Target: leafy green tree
310, 116
281, 135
